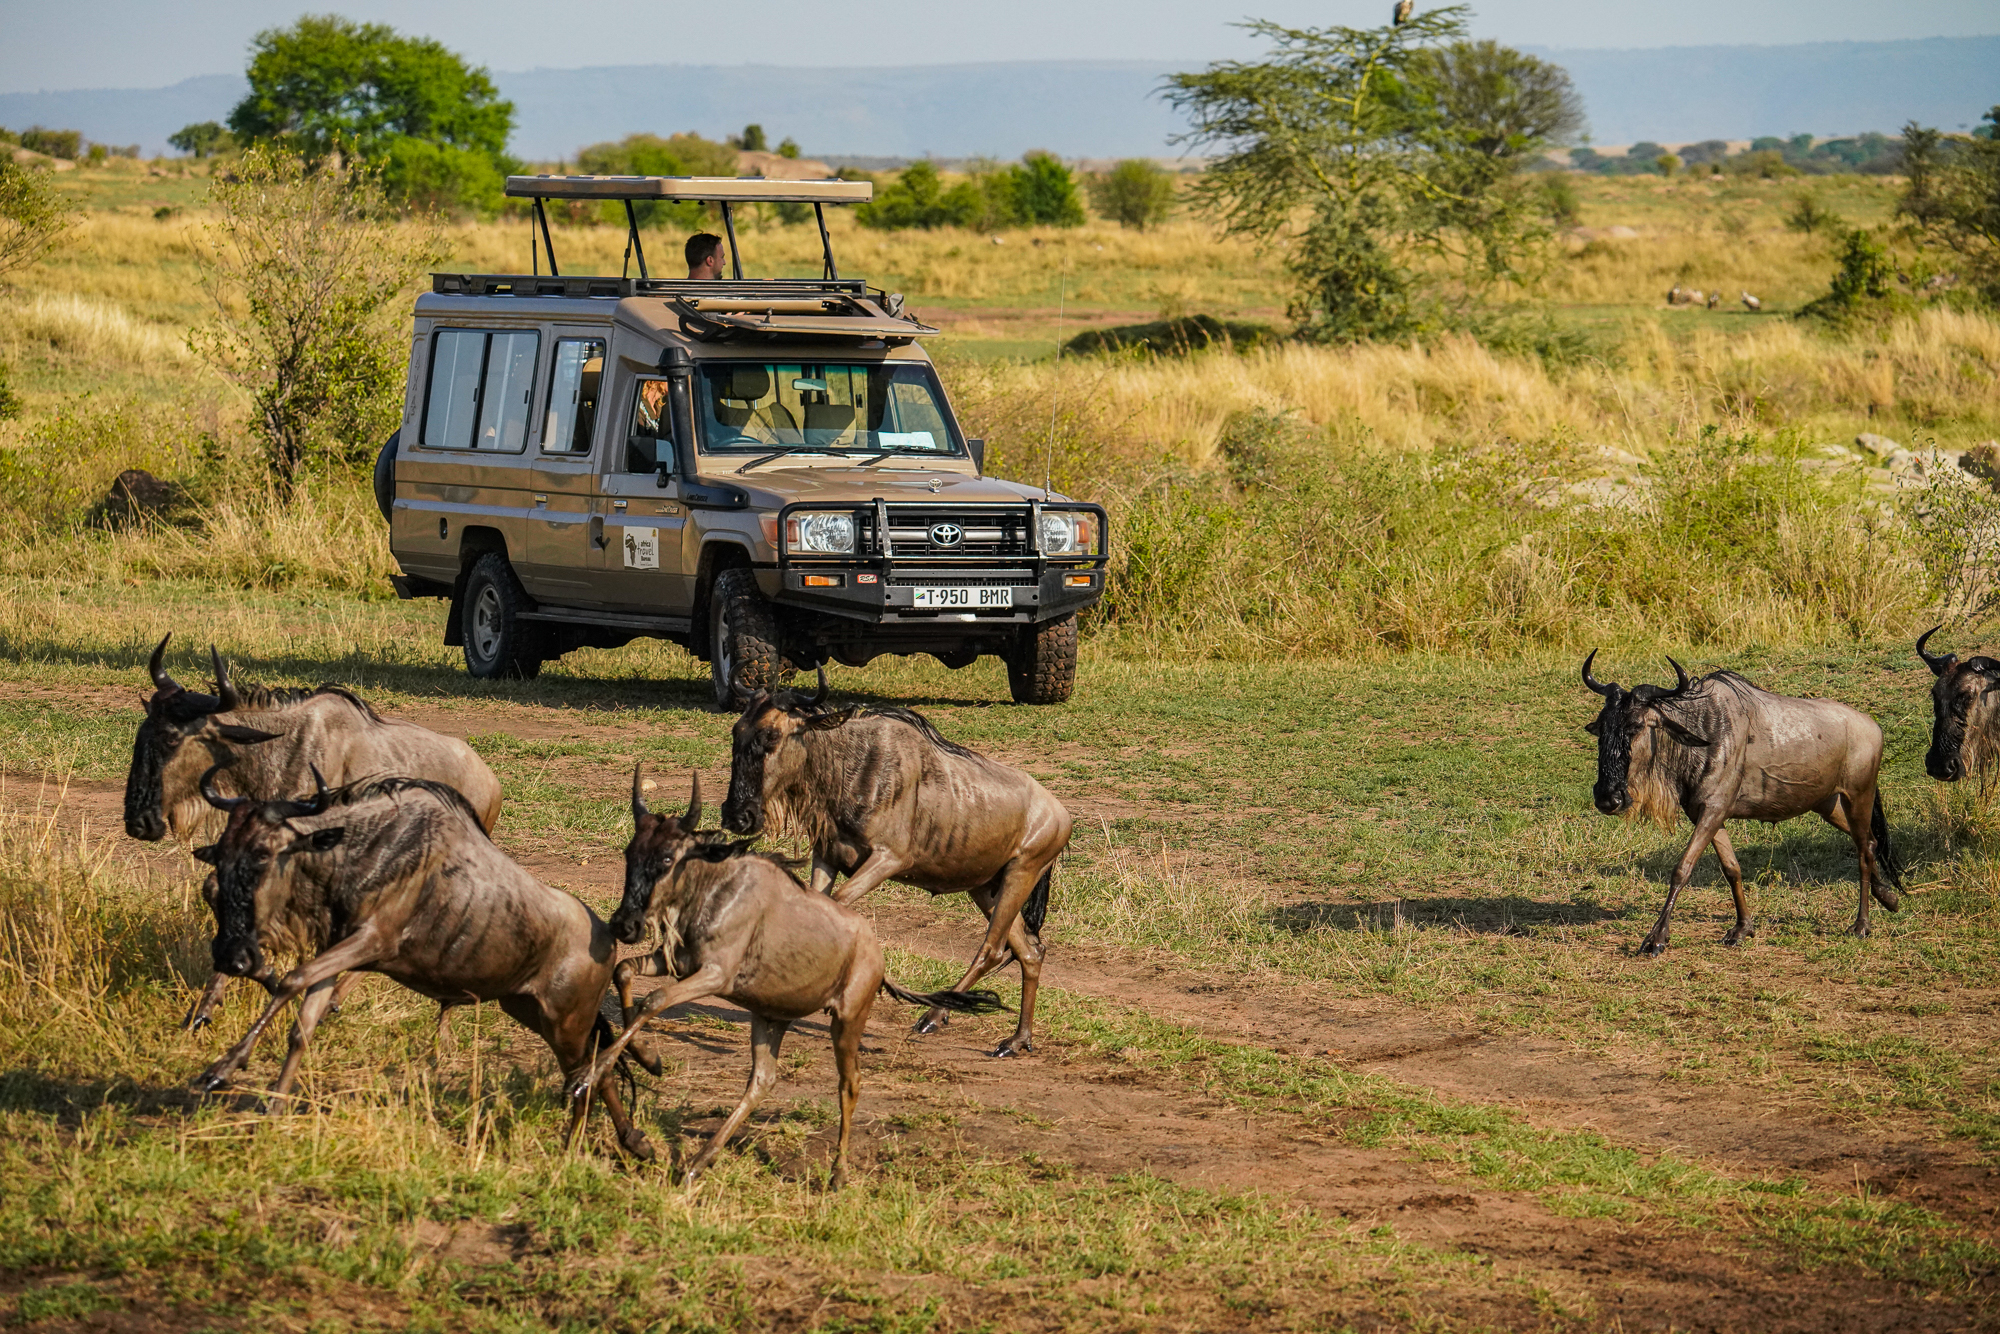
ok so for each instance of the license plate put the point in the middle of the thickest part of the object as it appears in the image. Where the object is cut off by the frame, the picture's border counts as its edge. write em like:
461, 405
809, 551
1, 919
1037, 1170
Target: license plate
968, 598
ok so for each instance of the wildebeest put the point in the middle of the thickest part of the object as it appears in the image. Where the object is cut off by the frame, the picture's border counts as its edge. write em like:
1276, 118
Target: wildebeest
881, 796
412, 886
1965, 720
1723, 749
269, 742
739, 925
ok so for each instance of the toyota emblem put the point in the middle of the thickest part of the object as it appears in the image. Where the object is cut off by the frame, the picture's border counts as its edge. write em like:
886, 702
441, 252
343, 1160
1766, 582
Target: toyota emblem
946, 534
936, 485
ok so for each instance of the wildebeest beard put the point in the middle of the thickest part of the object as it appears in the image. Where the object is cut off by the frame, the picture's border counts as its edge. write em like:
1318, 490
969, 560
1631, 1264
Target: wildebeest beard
235, 949
1655, 789
743, 808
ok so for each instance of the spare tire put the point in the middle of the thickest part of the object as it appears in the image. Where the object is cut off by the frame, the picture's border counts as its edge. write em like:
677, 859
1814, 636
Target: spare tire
385, 477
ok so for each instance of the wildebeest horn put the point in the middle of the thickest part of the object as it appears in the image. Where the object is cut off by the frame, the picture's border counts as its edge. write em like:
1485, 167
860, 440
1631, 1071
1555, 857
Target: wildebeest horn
226, 698
639, 811
1591, 681
320, 794
1938, 663
158, 667
820, 698
214, 798
694, 807
1680, 685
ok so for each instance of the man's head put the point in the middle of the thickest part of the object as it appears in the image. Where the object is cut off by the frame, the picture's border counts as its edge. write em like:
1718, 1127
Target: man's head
704, 256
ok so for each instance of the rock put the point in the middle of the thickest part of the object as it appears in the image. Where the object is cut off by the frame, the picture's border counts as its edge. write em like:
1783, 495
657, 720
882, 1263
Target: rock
1875, 446
135, 497
1620, 234
1983, 462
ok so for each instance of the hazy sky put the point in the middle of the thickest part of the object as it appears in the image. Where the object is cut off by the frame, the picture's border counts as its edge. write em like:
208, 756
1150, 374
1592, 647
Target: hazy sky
148, 44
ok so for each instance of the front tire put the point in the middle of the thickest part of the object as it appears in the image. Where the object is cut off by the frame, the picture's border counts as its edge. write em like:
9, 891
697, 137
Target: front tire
744, 655
1042, 667
498, 643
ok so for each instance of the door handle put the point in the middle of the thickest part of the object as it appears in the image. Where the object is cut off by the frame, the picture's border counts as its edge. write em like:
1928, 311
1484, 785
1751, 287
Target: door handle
597, 531
541, 500
619, 504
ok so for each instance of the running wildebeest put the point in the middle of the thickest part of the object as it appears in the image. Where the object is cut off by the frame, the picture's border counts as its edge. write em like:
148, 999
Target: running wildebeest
1723, 749
739, 925
881, 796
268, 741
1965, 722
413, 887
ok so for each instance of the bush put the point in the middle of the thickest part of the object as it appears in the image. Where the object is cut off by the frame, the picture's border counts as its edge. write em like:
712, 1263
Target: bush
1040, 192
441, 177
1865, 287
1810, 216
1174, 338
33, 215
10, 402
917, 198
1135, 193
651, 155
203, 139
56, 143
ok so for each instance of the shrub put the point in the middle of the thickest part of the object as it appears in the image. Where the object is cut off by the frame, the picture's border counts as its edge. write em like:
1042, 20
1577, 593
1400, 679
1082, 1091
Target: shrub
56, 143
203, 139
1175, 337
652, 155
1135, 193
33, 215
1809, 216
1865, 285
1040, 192
917, 198
10, 402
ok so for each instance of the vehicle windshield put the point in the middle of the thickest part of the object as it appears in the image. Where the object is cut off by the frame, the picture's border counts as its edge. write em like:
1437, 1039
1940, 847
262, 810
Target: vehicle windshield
870, 408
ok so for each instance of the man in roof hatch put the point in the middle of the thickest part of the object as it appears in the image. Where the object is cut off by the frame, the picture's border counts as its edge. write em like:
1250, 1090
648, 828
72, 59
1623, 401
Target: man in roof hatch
704, 257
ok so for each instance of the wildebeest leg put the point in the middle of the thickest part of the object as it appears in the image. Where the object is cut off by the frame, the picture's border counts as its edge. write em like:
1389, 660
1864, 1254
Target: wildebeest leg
1726, 854
823, 872
569, 1029
1008, 937
847, 1031
707, 982
765, 1036
340, 991
652, 965
1705, 830
204, 1006
880, 865
366, 945
1852, 816
317, 1003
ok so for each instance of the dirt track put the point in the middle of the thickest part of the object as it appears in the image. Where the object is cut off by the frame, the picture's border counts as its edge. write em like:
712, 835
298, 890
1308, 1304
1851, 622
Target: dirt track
1109, 1116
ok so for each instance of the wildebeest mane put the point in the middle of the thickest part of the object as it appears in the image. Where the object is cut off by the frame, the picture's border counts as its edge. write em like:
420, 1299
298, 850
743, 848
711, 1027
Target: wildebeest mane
350, 794
715, 849
923, 725
272, 698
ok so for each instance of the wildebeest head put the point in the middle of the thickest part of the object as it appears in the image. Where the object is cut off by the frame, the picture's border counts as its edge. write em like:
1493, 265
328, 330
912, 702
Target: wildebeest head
248, 859
176, 716
658, 843
1626, 729
1963, 700
768, 747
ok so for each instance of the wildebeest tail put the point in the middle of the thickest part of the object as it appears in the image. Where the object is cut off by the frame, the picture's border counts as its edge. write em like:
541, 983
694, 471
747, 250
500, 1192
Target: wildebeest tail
964, 1002
1885, 856
1037, 907
601, 1038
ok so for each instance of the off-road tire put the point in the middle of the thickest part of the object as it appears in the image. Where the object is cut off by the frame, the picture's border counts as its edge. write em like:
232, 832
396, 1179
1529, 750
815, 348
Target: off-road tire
385, 478
744, 654
498, 643
1042, 667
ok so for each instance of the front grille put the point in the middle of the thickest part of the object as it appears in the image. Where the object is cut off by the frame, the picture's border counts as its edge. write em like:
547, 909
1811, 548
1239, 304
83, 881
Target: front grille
989, 531
957, 577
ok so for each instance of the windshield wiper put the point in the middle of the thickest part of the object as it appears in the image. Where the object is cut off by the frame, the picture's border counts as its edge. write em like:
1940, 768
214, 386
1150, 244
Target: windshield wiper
792, 449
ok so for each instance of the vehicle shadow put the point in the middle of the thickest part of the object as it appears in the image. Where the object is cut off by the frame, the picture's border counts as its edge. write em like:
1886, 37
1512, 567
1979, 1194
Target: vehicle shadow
1501, 916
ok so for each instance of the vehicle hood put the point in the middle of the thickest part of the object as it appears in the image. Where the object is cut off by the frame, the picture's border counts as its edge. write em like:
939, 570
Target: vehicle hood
772, 487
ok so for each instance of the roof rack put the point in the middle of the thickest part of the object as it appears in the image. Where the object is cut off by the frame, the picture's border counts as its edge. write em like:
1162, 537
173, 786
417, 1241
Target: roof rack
771, 309
724, 190
542, 284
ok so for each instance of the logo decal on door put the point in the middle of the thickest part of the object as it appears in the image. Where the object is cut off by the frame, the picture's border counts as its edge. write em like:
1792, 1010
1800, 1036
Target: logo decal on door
642, 548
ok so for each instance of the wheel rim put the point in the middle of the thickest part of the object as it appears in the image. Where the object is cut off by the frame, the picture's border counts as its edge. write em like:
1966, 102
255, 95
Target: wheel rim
487, 624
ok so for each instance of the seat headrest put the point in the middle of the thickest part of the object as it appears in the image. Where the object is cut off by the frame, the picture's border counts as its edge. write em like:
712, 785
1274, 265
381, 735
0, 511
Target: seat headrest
748, 384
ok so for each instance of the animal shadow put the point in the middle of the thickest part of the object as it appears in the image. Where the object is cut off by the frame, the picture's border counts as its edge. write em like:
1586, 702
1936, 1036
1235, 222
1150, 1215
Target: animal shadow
1507, 916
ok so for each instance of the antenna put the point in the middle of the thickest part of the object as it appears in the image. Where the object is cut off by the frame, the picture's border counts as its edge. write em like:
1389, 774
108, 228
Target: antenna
1049, 454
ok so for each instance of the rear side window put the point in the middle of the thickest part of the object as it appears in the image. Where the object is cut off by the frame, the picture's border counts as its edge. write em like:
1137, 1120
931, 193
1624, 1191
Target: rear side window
481, 389
573, 387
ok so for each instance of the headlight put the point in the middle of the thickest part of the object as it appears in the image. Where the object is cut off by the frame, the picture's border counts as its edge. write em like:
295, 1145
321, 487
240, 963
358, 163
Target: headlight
1069, 534
820, 534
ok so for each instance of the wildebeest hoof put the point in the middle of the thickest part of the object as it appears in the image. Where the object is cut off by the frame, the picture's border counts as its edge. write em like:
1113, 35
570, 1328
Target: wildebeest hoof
1738, 934
194, 1023
636, 1144
930, 1025
1889, 899
642, 1051
1013, 1047
1860, 930
580, 1089
1652, 949
210, 1082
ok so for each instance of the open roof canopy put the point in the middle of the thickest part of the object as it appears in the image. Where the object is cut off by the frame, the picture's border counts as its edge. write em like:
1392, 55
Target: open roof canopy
703, 189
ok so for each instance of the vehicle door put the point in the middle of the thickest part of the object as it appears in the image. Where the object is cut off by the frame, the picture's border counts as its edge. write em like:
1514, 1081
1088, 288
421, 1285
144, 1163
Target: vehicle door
643, 562
467, 466
560, 565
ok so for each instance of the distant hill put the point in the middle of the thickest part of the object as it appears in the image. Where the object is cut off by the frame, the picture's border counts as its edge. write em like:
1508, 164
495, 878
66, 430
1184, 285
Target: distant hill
1107, 108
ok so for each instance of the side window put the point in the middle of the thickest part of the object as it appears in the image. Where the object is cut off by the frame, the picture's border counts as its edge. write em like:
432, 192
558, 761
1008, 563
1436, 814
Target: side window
650, 425
480, 390
573, 389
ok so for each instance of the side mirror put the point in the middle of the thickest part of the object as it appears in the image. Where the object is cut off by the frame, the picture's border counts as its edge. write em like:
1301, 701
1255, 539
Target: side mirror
977, 448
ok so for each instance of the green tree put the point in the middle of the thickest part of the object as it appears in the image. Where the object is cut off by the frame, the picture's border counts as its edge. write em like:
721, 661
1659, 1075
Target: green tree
752, 140
1134, 193
1865, 285
205, 139
1952, 197
1409, 185
651, 155
1041, 192
33, 215
1497, 101
67, 144
306, 268
328, 85
918, 198
789, 148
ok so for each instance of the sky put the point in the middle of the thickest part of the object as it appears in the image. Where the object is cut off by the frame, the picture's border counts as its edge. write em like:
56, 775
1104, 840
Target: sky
148, 44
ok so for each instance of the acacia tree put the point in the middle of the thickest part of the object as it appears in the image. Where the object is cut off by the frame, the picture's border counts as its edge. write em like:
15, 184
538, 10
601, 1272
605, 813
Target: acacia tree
1385, 160
303, 265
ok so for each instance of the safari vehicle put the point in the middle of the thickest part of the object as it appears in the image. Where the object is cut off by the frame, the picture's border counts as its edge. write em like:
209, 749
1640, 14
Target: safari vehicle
766, 472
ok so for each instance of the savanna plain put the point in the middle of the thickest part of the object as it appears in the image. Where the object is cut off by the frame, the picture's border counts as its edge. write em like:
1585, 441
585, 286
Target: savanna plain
1343, 1026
